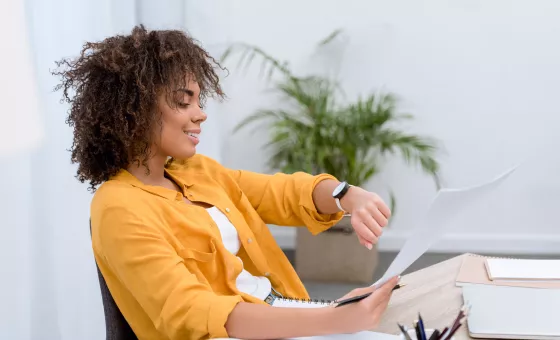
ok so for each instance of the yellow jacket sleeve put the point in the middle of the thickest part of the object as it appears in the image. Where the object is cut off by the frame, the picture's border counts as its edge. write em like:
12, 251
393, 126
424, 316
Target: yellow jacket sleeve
177, 303
284, 199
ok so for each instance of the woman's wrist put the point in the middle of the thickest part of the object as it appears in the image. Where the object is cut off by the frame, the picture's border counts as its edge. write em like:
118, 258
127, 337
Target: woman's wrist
334, 320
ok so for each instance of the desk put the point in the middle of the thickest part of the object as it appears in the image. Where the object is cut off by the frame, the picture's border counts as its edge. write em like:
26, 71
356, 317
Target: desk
430, 291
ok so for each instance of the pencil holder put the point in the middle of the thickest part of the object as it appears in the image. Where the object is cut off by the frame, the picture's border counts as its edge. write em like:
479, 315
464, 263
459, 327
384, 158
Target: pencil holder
429, 332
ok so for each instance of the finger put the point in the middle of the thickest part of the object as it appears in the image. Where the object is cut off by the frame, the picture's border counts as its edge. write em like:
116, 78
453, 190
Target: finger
358, 292
361, 228
379, 217
383, 208
366, 234
372, 224
378, 301
387, 287
365, 243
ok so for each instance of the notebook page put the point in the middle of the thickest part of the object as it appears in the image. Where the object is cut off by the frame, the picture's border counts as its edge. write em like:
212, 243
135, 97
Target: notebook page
516, 269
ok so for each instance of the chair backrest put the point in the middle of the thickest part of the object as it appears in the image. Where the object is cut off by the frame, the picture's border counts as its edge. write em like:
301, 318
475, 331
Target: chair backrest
116, 327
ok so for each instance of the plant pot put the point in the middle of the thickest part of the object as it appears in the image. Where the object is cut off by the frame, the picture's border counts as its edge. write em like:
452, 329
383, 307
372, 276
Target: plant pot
334, 255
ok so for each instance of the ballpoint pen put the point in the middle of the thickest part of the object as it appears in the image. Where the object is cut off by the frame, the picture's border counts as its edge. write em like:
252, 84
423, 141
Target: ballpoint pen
421, 328
442, 333
347, 301
417, 329
454, 329
435, 335
404, 331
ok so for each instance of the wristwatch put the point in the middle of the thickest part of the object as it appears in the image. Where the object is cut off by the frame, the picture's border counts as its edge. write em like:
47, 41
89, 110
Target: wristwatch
339, 192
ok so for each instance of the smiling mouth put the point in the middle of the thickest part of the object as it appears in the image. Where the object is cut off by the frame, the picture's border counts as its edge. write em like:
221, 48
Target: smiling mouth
195, 135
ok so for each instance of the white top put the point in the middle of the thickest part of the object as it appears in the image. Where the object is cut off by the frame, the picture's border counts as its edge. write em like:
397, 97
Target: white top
257, 286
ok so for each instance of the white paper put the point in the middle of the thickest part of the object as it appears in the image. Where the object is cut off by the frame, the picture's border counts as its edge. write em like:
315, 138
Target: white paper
355, 336
446, 205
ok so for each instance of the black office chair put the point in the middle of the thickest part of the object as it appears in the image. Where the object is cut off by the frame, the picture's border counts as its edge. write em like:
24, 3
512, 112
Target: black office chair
116, 327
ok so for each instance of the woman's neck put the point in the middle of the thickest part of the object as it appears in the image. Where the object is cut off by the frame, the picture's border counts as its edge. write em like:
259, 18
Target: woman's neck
156, 175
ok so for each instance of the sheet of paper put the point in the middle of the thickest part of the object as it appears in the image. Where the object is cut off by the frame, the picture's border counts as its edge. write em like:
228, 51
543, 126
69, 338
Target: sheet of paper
354, 336
445, 206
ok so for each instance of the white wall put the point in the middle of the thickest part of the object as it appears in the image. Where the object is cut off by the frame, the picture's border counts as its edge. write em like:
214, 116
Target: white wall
481, 76
50, 288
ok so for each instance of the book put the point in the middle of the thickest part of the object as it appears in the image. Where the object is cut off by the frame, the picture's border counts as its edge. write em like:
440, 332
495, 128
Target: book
523, 270
473, 272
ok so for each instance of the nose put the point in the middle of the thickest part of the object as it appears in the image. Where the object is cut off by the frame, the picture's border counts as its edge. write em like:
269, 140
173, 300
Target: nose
199, 117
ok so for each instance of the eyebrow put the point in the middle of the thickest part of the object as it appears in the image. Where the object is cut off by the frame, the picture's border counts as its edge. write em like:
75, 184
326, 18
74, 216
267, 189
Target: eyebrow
187, 91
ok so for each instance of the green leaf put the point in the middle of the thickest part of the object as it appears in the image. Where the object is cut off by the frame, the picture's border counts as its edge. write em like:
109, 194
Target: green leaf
226, 54
254, 51
330, 37
392, 205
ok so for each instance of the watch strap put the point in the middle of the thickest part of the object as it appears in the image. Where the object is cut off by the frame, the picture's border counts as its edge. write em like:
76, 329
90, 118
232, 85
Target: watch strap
337, 201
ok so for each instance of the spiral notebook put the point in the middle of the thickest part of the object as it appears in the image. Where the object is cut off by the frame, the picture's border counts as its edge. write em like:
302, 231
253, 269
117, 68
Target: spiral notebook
473, 271
523, 270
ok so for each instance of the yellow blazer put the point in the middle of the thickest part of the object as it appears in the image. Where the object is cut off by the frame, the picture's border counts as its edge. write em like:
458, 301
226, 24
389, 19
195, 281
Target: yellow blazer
164, 260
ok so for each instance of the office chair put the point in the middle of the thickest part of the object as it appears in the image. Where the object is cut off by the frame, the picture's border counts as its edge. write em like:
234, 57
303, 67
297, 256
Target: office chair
116, 327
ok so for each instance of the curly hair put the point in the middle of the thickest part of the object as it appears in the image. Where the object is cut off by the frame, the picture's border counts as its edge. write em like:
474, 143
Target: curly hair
112, 89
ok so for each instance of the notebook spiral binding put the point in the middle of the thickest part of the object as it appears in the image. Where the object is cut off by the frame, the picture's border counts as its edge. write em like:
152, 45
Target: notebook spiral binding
494, 257
314, 301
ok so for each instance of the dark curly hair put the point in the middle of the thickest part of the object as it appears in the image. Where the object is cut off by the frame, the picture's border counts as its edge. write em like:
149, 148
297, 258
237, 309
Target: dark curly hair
112, 88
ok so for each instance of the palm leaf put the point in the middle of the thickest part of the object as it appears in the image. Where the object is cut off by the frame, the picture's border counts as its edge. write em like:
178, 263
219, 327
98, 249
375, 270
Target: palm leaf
269, 61
392, 205
414, 150
269, 115
329, 38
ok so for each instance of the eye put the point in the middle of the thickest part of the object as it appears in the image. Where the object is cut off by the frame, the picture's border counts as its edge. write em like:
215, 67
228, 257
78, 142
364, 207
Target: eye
182, 105
201, 106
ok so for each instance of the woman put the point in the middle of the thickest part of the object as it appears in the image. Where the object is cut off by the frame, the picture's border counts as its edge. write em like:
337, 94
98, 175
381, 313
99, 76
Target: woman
182, 241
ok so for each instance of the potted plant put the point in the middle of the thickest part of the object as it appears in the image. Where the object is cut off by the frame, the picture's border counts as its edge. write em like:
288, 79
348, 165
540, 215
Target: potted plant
318, 131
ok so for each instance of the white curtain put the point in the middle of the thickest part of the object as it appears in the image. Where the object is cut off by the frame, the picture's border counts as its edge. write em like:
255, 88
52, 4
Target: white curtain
49, 287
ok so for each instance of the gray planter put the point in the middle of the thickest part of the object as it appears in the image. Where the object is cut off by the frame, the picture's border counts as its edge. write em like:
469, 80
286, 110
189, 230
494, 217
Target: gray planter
334, 255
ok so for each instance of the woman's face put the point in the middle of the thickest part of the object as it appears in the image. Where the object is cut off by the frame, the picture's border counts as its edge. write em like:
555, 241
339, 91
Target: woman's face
181, 117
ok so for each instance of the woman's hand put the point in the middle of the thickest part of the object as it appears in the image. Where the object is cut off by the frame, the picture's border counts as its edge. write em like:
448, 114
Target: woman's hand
369, 214
366, 314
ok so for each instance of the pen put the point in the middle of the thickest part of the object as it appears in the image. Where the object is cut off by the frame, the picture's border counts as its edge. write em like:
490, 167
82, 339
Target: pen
454, 329
440, 337
421, 328
417, 329
435, 335
404, 332
340, 303
460, 317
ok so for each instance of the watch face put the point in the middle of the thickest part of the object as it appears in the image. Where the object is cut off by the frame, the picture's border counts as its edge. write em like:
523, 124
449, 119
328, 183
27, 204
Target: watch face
338, 189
